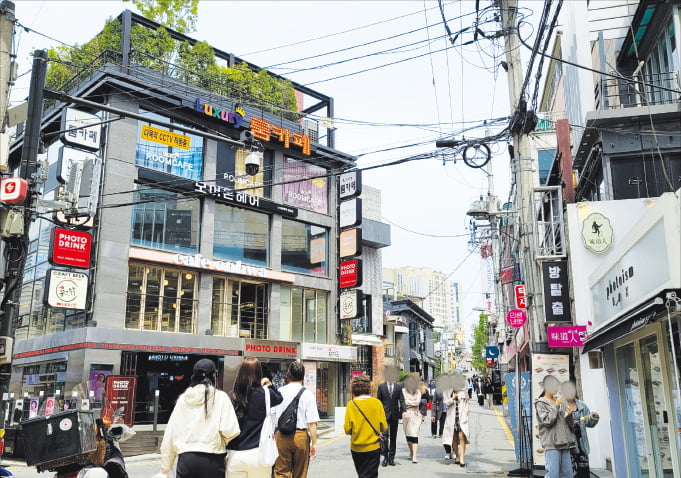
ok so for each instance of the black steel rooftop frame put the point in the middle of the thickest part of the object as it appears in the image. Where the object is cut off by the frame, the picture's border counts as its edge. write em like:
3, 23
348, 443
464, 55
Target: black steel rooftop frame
127, 18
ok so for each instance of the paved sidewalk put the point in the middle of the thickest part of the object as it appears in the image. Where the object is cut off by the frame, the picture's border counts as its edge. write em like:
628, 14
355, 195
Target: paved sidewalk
490, 454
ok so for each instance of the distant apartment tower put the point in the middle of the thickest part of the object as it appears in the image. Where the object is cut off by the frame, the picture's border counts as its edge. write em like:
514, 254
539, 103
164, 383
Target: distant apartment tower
431, 289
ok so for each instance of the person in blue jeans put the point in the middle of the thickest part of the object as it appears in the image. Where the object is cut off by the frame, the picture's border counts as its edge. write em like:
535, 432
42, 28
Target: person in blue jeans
555, 430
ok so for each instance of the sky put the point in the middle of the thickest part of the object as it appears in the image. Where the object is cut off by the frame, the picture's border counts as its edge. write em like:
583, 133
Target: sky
445, 89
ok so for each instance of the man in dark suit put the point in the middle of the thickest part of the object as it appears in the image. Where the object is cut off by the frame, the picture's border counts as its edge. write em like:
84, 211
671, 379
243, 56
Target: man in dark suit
390, 395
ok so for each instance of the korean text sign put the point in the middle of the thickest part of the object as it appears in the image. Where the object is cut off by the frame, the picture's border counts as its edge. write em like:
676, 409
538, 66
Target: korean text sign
569, 336
556, 291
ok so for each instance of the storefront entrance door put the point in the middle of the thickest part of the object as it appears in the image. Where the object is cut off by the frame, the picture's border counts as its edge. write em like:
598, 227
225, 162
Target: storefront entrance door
647, 409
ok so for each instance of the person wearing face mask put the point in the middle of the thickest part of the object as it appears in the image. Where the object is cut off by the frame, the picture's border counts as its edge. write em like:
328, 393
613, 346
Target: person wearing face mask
581, 418
555, 429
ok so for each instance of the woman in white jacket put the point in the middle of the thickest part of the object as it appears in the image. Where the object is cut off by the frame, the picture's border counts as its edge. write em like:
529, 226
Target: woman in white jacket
456, 432
200, 427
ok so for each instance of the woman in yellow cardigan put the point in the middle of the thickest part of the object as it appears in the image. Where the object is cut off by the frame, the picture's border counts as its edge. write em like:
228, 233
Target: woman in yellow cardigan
364, 420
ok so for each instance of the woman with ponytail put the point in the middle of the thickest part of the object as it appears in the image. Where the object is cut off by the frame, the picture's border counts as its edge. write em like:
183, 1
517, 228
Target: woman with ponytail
202, 424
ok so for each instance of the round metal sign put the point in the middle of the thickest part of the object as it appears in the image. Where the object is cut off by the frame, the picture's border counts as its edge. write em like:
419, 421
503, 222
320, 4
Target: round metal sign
516, 318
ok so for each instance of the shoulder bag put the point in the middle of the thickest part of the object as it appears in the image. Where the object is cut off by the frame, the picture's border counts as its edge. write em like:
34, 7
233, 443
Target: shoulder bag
289, 417
267, 446
382, 439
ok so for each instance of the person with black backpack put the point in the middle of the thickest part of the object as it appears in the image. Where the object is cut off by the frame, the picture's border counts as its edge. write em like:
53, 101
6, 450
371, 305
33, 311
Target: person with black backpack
297, 418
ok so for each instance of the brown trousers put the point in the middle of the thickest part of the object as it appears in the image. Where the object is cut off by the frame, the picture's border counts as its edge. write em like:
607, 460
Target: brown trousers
294, 455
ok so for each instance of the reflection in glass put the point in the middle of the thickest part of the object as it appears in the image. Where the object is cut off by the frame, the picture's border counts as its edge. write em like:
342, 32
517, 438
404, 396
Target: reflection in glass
241, 235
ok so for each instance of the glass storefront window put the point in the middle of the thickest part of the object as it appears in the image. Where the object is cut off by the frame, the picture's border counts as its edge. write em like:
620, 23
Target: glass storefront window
304, 248
240, 309
231, 171
241, 235
160, 299
306, 311
165, 220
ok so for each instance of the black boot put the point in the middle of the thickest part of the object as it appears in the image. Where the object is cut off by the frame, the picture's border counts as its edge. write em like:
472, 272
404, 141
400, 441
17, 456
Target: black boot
385, 461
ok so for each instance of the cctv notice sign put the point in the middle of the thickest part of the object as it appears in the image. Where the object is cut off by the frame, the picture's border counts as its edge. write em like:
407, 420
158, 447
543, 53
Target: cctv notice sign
66, 289
70, 248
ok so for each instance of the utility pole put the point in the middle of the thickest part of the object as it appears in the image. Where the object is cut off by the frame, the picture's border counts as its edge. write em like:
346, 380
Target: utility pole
29, 156
521, 167
6, 64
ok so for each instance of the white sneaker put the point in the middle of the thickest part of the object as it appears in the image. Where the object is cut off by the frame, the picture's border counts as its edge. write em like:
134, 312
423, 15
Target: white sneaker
414, 460
448, 456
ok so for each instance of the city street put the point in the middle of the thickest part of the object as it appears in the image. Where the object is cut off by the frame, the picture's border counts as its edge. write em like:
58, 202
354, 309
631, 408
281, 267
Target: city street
489, 454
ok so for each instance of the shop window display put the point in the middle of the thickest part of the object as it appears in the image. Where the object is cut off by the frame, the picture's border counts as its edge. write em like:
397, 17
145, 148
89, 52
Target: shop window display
303, 315
240, 309
165, 220
159, 299
304, 248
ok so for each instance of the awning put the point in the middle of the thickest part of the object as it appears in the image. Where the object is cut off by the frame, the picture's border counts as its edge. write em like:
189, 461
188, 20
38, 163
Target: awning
628, 323
363, 339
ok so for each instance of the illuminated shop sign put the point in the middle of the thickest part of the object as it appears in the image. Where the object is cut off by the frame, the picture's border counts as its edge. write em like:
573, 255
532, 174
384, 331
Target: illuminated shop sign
232, 118
163, 136
197, 261
167, 358
263, 130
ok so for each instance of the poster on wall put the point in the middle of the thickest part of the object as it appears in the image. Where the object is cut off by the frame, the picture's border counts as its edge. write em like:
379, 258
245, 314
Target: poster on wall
303, 186
310, 380
34, 405
96, 384
171, 152
49, 406
543, 365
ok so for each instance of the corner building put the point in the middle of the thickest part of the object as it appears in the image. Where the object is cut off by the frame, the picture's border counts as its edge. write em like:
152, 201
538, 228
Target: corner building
191, 256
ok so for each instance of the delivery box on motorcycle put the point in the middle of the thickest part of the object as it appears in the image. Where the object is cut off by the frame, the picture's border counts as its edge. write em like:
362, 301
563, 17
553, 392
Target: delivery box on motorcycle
61, 437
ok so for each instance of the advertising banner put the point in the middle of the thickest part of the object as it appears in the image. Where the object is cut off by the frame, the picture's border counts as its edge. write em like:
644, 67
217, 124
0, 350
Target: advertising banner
310, 380
543, 365
169, 152
303, 186
569, 336
120, 393
510, 379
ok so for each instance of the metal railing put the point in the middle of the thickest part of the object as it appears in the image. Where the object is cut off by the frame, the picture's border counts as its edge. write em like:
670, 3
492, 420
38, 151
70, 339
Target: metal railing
646, 90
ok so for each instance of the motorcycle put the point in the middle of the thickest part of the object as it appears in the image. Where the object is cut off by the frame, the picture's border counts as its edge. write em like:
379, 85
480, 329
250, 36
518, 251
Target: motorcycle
106, 461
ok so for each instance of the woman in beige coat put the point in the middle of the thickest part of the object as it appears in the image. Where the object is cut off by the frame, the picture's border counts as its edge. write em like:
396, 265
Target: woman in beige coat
456, 431
412, 418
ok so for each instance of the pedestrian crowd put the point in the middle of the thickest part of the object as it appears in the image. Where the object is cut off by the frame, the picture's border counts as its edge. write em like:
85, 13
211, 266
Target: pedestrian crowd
267, 432
257, 431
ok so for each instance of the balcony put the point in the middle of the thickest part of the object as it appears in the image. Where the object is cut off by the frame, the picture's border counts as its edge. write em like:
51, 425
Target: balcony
648, 90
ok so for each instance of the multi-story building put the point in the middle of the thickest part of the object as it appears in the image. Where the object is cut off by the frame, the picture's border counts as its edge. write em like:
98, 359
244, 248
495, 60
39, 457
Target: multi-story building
623, 232
192, 256
435, 293
411, 332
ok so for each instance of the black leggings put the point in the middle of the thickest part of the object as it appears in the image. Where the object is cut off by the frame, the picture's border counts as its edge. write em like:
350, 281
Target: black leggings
412, 439
200, 465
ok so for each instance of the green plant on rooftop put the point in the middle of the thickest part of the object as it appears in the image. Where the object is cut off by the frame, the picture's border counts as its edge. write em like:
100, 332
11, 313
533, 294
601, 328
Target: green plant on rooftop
158, 50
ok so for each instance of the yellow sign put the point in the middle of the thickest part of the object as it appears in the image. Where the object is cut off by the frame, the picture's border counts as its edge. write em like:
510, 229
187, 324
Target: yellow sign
163, 136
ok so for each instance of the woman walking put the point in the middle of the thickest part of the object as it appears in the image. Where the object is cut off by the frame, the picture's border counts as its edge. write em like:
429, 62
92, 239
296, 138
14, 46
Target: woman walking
555, 432
456, 432
364, 421
426, 397
202, 424
248, 397
412, 418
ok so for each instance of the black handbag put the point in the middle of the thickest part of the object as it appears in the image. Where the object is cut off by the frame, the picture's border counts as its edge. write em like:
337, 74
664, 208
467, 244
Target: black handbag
382, 439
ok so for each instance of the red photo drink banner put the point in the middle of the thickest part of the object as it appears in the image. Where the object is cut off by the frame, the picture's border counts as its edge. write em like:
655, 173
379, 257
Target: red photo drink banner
120, 393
